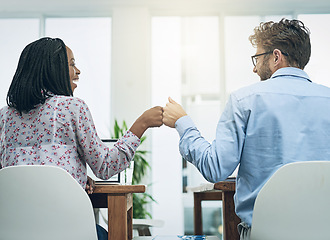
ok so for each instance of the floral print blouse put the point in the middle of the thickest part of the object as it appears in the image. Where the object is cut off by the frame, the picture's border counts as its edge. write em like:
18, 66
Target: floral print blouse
61, 133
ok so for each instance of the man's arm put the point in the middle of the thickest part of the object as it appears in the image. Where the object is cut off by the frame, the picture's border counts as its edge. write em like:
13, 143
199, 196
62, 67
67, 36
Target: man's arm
172, 112
215, 161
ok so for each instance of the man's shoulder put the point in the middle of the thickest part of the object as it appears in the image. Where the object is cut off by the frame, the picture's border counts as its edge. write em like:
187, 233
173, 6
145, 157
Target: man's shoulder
250, 90
282, 86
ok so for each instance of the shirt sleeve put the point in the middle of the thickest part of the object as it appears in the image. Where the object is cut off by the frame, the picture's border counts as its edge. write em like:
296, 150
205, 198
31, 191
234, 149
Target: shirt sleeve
217, 160
103, 161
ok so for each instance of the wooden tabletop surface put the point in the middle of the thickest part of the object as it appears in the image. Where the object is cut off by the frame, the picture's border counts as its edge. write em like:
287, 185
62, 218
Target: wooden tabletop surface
114, 188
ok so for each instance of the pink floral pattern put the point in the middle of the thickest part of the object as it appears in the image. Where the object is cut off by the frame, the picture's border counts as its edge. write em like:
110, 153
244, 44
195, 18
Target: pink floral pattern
61, 133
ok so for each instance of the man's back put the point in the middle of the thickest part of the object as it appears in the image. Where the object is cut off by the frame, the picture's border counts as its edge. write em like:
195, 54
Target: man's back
264, 126
286, 120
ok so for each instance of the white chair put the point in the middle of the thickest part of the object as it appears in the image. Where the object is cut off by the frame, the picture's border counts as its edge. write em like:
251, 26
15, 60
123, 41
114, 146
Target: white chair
294, 203
43, 203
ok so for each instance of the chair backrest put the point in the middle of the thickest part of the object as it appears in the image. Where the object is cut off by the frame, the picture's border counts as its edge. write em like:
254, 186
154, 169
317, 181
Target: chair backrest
294, 203
43, 203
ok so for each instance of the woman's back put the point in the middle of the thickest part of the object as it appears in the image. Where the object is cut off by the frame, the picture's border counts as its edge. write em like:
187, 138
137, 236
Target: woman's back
59, 132
45, 125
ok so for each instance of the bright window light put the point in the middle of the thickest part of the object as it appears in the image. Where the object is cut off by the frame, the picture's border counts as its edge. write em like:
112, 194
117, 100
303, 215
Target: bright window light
318, 66
90, 41
15, 35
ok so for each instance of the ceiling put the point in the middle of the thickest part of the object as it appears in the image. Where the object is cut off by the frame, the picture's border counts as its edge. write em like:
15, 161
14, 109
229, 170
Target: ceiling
104, 7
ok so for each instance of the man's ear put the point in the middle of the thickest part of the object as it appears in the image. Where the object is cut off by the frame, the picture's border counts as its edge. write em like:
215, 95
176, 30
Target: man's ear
278, 57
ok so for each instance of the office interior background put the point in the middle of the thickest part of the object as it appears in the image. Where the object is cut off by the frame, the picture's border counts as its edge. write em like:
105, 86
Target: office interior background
133, 54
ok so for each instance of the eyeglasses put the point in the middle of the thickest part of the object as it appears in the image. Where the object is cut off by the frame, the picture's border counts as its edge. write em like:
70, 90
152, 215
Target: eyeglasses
255, 57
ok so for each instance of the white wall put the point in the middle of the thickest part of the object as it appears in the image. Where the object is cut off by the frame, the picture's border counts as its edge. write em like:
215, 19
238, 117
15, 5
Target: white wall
131, 95
130, 63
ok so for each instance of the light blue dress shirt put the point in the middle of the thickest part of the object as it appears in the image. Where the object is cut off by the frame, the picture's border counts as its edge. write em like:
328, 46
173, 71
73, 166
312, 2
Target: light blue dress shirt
263, 127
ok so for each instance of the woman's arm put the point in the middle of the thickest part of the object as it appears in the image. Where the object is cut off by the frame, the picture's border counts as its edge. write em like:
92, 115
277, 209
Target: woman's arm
103, 161
153, 117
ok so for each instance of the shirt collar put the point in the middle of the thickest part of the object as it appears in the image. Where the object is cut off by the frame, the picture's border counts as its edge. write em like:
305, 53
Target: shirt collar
291, 71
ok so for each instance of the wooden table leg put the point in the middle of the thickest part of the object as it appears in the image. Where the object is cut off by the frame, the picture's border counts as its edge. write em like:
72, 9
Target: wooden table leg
198, 226
117, 217
130, 216
230, 220
198, 198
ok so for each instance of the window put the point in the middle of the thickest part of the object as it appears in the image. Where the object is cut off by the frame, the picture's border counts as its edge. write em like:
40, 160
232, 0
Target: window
166, 81
15, 35
185, 63
318, 65
89, 39
185, 66
238, 50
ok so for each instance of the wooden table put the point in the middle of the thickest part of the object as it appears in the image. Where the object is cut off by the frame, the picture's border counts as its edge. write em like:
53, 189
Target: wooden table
119, 201
224, 191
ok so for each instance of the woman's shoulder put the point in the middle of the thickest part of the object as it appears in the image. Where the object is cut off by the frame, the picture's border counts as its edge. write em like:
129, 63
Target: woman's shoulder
68, 104
3, 111
60, 100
